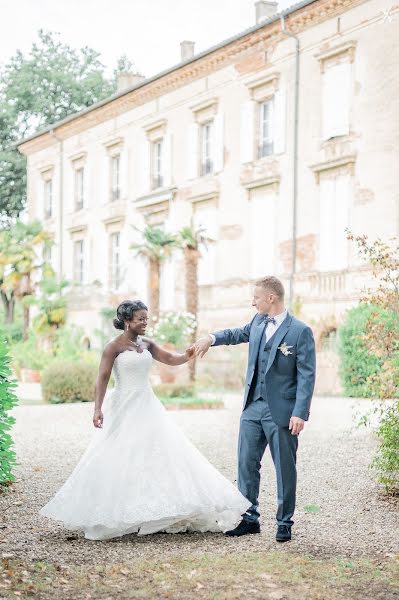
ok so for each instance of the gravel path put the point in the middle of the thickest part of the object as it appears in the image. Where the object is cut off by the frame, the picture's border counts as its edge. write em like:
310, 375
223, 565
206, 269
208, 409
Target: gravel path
354, 519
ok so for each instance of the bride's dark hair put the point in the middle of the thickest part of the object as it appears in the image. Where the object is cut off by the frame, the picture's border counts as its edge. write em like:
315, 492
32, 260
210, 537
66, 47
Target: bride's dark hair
125, 312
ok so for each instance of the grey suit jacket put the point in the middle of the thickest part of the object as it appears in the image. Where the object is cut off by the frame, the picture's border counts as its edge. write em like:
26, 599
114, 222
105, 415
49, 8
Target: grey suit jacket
288, 383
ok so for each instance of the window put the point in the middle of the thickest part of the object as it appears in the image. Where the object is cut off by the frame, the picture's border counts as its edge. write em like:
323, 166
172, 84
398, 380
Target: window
79, 188
48, 198
156, 164
266, 123
334, 219
336, 100
78, 262
206, 143
115, 177
115, 260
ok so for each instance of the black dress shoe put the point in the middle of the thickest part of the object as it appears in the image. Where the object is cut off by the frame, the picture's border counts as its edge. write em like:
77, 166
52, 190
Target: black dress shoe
244, 528
283, 533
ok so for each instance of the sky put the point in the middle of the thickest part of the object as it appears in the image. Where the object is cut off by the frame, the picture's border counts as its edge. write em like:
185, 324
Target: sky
149, 32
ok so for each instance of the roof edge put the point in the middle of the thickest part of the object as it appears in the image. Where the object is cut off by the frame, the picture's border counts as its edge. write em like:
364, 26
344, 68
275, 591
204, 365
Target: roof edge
116, 96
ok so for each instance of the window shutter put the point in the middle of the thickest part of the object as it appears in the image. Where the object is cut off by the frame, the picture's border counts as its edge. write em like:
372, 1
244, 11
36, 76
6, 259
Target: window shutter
336, 100
341, 212
247, 132
218, 143
167, 160
279, 121
206, 218
144, 172
327, 243
192, 151
262, 219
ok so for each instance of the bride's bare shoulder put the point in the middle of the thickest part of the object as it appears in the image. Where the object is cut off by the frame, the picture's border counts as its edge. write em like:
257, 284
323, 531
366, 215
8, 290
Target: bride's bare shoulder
113, 347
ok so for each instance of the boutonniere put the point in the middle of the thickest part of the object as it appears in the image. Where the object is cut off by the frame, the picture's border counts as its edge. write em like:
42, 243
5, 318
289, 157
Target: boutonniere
285, 349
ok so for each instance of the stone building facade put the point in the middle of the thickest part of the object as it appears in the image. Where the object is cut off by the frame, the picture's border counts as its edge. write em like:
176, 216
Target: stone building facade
241, 141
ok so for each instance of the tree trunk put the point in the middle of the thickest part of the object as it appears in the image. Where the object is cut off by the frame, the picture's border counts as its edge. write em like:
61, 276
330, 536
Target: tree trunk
191, 257
25, 324
9, 306
154, 285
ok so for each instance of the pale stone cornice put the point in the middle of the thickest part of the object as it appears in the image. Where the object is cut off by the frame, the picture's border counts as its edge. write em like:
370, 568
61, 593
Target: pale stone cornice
204, 104
120, 219
348, 48
158, 124
212, 60
210, 197
74, 229
165, 194
274, 180
334, 164
114, 142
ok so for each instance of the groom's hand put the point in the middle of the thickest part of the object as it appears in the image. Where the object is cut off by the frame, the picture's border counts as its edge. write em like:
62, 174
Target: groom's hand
202, 346
296, 425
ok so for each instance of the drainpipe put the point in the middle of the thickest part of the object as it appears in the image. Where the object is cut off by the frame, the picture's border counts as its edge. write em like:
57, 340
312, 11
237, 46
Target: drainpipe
295, 161
61, 203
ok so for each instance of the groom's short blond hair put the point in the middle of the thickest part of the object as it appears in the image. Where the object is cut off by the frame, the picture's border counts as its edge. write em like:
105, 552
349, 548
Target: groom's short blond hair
271, 284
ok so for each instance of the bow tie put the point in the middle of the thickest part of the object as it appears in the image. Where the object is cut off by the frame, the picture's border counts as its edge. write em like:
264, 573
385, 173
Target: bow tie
268, 320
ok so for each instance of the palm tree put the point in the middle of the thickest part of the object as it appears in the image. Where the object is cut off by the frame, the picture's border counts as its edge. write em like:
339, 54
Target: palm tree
190, 241
19, 259
156, 247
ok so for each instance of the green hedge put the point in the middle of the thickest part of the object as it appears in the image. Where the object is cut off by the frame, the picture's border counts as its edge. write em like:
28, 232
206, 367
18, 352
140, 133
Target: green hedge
69, 382
356, 361
8, 400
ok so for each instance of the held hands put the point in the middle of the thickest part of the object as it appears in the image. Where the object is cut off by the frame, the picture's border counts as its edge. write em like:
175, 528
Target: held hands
296, 425
190, 352
202, 346
98, 418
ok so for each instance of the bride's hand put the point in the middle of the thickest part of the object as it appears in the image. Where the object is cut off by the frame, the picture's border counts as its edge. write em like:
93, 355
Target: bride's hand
190, 352
98, 418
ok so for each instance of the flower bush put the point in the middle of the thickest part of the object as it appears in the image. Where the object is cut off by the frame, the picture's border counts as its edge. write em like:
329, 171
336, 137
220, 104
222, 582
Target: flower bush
173, 327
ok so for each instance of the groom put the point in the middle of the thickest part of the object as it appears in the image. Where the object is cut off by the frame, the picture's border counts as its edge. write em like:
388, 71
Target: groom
278, 391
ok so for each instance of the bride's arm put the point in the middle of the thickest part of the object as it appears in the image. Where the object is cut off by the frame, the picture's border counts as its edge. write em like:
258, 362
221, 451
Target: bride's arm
166, 357
104, 373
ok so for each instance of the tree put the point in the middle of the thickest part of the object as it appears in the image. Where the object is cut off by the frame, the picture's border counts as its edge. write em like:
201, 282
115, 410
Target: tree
49, 83
156, 247
19, 259
190, 241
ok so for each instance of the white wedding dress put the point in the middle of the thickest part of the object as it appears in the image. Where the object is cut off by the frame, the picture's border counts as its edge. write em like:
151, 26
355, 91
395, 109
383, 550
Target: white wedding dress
140, 473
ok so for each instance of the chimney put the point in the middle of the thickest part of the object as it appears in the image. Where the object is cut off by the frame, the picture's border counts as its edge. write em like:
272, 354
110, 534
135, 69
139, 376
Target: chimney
265, 9
187, 50
127, 80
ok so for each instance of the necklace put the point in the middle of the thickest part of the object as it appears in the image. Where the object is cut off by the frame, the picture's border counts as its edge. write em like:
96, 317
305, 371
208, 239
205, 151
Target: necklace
135, 344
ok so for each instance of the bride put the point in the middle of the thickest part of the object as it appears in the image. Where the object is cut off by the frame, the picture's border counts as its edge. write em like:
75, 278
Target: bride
140, 474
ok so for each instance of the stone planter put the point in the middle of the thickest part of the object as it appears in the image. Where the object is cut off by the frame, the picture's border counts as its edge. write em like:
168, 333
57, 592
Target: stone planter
30, 376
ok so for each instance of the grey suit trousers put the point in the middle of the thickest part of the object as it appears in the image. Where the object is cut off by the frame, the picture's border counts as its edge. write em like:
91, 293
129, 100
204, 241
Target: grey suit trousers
257, 431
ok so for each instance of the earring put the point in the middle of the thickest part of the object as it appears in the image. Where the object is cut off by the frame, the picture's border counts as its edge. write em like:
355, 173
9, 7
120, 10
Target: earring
127, 326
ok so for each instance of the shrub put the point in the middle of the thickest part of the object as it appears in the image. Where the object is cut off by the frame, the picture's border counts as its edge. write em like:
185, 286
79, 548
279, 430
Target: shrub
69, 382
386, 461
8, 400
357, 362
28, 355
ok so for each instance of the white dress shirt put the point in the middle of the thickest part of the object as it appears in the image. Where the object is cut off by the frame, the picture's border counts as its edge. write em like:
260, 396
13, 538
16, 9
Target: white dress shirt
270, 328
